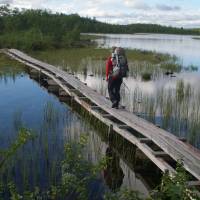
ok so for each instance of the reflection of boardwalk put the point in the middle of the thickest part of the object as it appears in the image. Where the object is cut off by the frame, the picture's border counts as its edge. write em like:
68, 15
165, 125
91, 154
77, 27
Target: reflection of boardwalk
113, 173
161, 147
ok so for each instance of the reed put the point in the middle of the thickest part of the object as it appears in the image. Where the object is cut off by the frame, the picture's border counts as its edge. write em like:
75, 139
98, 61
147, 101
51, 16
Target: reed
175, 109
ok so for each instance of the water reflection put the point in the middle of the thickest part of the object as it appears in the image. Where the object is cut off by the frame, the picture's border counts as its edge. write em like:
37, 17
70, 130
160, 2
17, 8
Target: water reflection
39, 162
113, 174
183, 46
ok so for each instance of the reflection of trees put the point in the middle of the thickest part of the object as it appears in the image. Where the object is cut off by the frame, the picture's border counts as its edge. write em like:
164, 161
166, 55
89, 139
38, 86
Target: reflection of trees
113, 173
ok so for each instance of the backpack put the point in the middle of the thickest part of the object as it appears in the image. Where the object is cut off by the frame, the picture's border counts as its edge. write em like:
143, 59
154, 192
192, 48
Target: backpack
120, 68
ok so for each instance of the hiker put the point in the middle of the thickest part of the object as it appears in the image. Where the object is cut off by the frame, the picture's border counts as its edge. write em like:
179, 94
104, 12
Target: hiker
116, 69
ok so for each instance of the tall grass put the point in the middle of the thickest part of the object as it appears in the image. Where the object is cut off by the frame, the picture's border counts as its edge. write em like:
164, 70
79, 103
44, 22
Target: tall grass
175, 109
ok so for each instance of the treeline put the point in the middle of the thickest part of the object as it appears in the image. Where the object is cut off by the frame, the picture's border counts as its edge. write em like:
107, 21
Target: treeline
40, 29
37, 29
93, 26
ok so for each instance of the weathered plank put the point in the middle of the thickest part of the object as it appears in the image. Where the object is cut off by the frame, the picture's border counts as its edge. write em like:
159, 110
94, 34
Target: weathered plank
160, 154
193, 183
123, 126
145, 140
169, 143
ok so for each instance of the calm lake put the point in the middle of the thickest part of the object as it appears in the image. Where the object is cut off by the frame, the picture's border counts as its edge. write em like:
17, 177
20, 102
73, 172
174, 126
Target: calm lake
24, 102
170, 101
185, 47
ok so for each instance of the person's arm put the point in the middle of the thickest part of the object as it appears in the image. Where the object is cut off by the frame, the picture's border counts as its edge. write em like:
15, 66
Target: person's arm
108, 68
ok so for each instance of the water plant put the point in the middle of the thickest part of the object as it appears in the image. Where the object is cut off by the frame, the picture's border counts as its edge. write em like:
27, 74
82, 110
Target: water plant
175, 187
175, 109
78, 174
146, 76
123, 194
23, 136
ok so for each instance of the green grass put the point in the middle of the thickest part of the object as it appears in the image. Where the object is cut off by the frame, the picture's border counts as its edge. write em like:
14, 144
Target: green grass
9, 67
6, 61
148, 56
146, 76
90, 37
196, 38
72, 54
94, 60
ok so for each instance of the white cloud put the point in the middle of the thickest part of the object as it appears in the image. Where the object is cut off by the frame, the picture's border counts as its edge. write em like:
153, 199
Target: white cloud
119, 11
164, 7
6, 2
137, 4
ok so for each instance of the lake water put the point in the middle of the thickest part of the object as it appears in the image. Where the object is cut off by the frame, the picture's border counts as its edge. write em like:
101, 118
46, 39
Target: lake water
185, 47
24, 102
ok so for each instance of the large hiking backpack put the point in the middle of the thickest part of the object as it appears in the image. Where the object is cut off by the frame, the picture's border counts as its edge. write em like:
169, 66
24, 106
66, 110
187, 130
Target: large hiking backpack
120, 67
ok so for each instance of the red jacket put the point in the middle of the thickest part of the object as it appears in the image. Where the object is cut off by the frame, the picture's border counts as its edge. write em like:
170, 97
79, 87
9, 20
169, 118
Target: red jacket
109, 67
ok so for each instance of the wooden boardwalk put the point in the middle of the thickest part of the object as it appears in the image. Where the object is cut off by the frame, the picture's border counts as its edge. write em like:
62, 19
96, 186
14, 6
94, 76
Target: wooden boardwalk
136, 130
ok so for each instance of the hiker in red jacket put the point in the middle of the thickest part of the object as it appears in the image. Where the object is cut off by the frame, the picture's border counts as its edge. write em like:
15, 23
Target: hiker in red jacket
113, 77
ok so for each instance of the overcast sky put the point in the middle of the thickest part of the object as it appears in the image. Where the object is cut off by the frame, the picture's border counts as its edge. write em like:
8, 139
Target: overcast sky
181, 13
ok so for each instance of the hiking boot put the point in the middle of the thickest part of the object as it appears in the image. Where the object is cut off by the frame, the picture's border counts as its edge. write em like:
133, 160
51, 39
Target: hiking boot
115, 104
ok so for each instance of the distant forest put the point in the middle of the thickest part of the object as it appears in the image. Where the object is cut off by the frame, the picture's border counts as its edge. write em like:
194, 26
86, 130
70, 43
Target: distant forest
41, 29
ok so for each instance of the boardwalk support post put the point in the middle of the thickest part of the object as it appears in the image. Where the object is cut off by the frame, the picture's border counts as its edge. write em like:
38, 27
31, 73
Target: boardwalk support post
110, 132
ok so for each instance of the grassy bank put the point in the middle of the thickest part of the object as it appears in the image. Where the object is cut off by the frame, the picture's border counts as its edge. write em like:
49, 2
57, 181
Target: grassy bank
10, 68
94, 59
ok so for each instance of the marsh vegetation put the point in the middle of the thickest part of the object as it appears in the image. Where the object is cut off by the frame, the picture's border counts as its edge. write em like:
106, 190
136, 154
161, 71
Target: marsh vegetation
78, 175
157, 88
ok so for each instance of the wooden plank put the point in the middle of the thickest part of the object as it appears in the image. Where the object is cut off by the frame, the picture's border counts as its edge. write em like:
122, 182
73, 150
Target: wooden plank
34, 71
170, 169
145, 140
183, 139
123, 126
95, 107
160, 154
166, 141
62, 93
193, 183
73, 90
51, 82
83, 97
107, 115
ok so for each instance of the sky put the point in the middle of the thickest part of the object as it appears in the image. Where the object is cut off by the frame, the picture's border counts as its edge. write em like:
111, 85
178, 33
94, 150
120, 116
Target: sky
178, 13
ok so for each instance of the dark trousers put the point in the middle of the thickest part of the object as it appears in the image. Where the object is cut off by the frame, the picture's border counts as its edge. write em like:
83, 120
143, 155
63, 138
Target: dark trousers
114, 89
